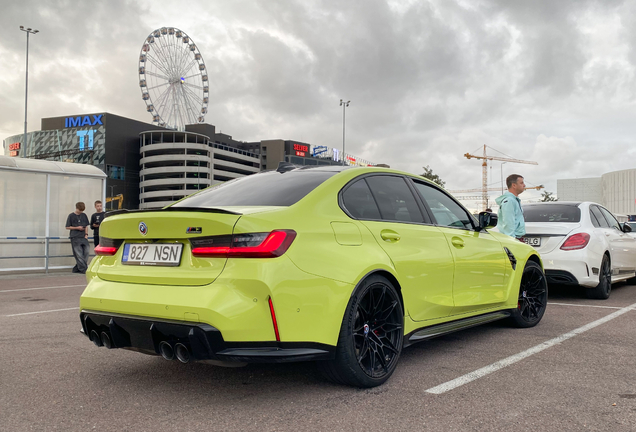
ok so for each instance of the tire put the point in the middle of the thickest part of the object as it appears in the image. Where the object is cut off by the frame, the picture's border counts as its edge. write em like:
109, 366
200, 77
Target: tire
533, 297
604, 287
371, 336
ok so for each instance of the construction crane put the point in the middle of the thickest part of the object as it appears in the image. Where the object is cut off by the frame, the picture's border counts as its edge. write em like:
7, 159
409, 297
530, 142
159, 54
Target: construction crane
479, 197
120, 201
489, 189
468, 197
484, 176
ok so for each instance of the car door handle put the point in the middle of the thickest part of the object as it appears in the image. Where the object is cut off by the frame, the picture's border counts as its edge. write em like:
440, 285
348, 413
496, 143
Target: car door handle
390, 236
457, 242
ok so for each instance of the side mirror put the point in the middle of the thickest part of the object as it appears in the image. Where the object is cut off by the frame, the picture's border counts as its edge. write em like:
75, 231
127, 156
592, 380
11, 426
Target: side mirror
487, 220
626, 227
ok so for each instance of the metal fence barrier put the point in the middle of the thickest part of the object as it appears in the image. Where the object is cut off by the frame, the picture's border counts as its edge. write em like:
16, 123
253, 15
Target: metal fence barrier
46, 241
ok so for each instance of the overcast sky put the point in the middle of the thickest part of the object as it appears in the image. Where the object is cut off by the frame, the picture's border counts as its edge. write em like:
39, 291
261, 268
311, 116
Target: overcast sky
549, 81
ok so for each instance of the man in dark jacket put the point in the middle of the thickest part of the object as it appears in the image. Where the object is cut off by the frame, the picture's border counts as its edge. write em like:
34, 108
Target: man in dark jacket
77, 224
96, 220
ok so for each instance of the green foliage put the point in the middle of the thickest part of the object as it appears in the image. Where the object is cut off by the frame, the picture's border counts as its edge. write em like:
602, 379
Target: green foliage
428, 173
548, 197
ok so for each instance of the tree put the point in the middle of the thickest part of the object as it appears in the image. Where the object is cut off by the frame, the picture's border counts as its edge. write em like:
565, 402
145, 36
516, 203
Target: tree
428, 173
548, 197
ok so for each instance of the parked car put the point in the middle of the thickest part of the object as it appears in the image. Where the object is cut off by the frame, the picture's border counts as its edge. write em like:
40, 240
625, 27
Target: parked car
346, 266
581, 243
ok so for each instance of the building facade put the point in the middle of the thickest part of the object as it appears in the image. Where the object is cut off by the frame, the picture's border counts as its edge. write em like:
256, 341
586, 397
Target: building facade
150, 167
275, 151
107, 141
615, 190
581, 189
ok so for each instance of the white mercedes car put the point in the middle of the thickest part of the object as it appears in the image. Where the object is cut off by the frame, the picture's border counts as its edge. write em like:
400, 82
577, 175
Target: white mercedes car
581, 243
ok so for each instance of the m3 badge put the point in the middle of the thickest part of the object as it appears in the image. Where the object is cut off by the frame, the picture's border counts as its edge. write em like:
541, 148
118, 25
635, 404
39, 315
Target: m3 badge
194, 230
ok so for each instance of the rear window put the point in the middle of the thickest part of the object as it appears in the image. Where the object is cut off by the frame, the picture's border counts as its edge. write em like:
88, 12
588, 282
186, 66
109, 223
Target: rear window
265, 189
551, 213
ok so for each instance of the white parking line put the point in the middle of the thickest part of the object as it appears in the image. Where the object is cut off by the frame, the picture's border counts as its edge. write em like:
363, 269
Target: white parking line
42, 288
584, 305
39, 312
479, 373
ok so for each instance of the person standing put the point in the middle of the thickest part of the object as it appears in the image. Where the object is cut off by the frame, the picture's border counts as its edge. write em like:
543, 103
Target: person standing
510, 215
96, 220
77, 224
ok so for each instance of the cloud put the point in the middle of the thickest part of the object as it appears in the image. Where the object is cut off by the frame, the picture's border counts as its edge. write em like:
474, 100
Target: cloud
428, 80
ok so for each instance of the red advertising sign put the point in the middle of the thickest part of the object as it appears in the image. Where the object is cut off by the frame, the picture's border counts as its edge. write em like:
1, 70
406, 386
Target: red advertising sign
301, 148
13, 149
299, 153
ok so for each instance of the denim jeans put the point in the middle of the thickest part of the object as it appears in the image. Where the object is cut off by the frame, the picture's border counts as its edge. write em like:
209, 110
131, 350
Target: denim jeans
80, 252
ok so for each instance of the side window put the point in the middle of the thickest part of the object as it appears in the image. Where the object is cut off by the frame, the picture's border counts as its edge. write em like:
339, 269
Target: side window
594, 220
446, 210
395, 199
599, 216
611, 220
359, 202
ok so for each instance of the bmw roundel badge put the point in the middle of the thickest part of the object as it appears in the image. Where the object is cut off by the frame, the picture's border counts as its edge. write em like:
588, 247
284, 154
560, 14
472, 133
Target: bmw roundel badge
143, 228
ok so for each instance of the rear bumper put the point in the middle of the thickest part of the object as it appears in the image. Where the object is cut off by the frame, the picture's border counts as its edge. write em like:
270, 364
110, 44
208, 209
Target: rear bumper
308, 308
578, 267
203, 341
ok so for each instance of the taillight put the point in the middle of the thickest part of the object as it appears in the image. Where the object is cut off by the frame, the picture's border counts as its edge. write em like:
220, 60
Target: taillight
107, 246
576, 241
253, 245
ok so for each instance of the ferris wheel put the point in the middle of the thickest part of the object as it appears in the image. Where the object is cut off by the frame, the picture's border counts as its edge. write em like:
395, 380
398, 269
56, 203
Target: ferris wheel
173, 79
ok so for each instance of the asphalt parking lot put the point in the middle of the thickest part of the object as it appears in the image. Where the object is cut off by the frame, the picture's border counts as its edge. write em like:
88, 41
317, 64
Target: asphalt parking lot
575, 371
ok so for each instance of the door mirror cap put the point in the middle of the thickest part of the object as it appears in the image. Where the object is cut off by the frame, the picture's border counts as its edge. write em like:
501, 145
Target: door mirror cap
626, 227
487, 220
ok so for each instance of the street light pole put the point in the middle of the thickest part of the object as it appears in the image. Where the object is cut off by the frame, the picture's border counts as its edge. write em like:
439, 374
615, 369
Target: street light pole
26, 86
344, 105
502, 183
112, 195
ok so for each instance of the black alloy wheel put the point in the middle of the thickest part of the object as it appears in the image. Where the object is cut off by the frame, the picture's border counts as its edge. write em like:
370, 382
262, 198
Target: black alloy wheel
604, 288
533, 297
377, 331
371, 336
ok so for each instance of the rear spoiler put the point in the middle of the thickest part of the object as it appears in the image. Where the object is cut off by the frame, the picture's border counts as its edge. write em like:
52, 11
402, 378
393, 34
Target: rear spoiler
168, 209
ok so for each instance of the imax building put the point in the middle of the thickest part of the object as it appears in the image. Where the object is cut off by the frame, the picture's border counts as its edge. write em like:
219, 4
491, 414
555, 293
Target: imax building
149, 166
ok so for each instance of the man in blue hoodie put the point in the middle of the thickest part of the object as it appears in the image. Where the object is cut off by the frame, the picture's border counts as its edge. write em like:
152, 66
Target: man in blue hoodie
510, 214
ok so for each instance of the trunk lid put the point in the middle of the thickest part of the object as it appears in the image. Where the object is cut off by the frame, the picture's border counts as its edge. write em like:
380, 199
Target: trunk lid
551, 234
165, 227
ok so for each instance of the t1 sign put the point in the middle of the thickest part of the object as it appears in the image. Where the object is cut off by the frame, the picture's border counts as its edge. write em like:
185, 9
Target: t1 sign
82, 134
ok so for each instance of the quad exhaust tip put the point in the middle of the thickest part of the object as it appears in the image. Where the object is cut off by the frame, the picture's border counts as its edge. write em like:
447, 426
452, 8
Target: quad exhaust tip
182, 352
166, 350
94, 337
106, 340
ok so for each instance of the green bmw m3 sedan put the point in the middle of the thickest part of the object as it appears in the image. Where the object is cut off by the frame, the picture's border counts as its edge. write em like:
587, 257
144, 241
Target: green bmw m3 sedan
340, 265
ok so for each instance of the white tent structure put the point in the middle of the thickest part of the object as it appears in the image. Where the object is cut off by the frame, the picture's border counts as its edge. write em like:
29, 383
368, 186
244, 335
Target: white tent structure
36, 196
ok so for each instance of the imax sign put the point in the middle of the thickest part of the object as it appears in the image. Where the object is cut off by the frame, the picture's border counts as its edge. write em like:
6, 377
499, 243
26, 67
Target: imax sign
83, 121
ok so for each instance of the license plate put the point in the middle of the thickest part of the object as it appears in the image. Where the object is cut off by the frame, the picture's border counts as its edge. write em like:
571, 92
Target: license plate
532, 241
155, 254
